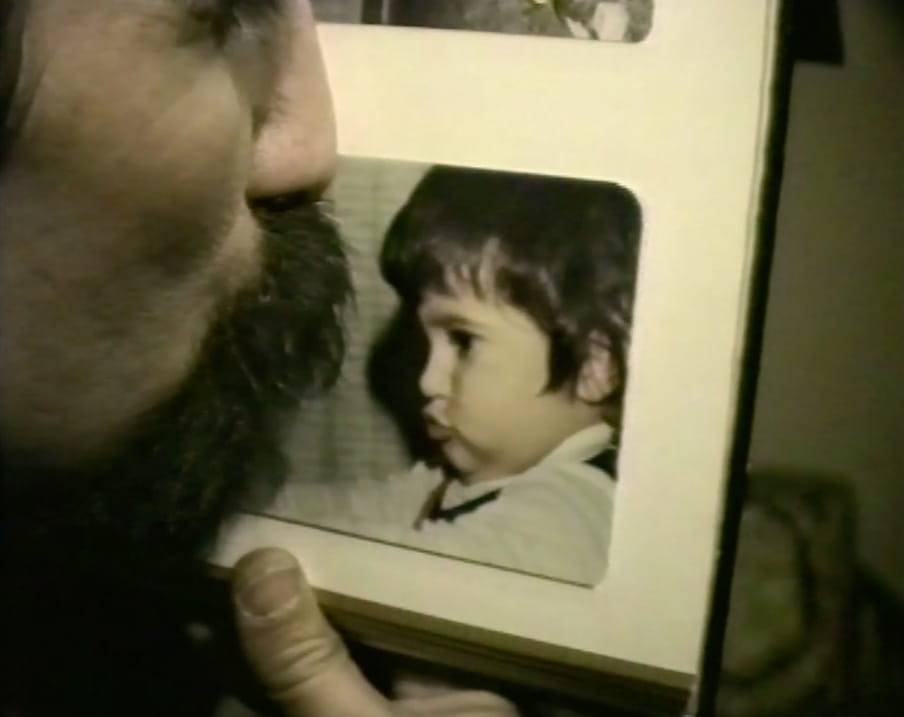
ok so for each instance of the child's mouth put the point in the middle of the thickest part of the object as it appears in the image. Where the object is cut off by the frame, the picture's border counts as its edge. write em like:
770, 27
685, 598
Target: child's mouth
438, 431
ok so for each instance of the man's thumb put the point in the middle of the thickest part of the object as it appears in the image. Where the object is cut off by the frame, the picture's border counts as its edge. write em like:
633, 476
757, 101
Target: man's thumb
298, 657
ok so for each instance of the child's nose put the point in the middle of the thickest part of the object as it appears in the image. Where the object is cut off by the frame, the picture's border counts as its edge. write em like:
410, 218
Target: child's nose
434, 381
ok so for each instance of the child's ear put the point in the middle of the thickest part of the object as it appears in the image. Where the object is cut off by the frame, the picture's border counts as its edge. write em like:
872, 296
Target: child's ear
598, 376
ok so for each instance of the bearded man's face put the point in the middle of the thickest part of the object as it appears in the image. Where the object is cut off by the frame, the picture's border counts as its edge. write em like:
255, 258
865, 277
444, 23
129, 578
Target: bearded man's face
169, 286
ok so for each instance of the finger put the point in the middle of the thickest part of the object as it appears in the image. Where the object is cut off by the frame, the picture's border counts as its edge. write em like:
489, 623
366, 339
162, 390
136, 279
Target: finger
417, 695
470, 703
297, 655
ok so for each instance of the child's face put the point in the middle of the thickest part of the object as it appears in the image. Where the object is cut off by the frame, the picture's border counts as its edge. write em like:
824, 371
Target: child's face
484, 383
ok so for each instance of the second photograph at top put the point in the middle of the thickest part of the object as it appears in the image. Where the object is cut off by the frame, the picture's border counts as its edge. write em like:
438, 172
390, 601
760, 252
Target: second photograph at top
604, 20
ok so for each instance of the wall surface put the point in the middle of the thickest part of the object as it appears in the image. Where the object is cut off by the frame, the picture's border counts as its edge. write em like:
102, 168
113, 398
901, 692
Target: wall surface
831, 391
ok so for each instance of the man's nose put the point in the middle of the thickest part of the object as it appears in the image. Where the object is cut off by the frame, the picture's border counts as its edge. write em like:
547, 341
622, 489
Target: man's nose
296, 148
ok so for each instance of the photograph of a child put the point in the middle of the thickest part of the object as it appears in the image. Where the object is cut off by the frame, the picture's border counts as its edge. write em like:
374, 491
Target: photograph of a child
606, 20
479, 411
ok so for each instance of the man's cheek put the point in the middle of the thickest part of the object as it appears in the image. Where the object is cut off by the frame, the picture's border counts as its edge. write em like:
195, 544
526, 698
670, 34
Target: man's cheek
193, 181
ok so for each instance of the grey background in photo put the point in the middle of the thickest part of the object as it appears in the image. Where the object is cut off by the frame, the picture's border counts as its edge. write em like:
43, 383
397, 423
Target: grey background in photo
348, 435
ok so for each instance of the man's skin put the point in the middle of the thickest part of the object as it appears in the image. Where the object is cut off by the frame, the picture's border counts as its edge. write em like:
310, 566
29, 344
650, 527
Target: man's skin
168, 287
145, 142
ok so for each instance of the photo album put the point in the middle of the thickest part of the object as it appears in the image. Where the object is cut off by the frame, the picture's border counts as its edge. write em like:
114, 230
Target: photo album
553, 211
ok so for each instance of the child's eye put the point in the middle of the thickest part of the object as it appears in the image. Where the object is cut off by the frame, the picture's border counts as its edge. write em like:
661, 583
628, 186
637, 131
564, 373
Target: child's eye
463, 341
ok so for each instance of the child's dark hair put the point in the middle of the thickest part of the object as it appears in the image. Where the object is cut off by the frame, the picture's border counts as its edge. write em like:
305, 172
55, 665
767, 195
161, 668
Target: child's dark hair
562, 250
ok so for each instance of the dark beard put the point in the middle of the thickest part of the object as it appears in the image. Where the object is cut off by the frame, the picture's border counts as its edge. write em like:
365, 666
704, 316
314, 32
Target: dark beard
103, 565
213, 446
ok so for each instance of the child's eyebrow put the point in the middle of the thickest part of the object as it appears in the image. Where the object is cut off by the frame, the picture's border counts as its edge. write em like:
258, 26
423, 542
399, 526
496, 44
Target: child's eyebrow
447, 319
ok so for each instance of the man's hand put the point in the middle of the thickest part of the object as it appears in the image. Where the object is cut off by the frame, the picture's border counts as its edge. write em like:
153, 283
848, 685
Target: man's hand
305, 667
298, 657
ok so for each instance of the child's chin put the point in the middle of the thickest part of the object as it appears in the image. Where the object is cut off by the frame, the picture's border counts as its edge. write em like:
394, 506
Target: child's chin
458, 460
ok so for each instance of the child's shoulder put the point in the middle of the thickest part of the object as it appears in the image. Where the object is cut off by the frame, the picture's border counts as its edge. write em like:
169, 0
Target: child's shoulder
575, 477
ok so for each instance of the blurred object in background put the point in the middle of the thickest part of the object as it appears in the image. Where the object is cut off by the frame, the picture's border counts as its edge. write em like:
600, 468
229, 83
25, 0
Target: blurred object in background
809, 634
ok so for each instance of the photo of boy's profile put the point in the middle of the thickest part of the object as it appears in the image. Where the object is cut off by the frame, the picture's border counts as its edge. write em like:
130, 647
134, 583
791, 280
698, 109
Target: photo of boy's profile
503, 366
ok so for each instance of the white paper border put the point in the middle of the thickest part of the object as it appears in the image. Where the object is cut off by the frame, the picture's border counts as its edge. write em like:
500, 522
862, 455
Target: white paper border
678, 119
